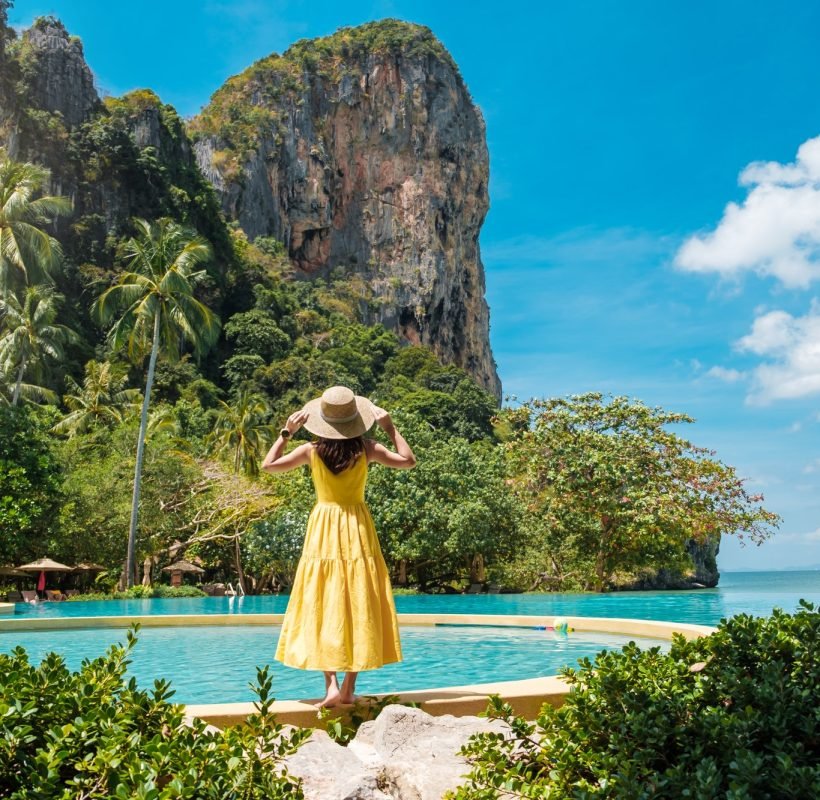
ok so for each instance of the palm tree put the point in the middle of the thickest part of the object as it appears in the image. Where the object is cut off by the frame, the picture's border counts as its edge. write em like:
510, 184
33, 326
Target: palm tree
99, 401
157, 310
241, 432
27, 253
31, 339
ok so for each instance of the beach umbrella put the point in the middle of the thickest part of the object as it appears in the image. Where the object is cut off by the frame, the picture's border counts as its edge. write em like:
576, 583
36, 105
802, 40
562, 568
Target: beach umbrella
12, 572
83, 567
44, 565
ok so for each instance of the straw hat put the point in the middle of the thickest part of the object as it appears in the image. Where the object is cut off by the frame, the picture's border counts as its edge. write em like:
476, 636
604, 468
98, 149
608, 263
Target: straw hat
339, 414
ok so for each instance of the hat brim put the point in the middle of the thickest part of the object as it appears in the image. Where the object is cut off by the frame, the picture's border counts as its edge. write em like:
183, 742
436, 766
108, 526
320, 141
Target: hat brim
326, 429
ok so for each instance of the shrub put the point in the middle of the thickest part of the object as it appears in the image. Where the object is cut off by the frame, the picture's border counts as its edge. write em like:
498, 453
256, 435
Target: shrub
732, 715
91, 734
142, 593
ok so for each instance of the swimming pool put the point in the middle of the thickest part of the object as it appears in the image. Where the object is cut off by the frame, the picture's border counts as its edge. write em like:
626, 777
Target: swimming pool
754, 593
216, 664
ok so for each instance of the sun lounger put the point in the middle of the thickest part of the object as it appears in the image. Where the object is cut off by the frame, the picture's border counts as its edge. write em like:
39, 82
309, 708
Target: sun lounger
54, 595
29, 596
14, 597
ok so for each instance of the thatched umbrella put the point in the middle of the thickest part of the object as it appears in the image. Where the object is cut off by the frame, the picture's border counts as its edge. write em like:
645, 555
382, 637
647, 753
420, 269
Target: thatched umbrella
178, 567
83, 567
44, 565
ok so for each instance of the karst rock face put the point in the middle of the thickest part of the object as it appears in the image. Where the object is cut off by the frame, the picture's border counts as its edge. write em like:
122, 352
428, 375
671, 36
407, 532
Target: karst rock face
61, 80
364, 152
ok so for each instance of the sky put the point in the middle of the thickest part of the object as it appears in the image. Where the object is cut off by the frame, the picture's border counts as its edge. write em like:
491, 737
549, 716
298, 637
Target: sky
654, 228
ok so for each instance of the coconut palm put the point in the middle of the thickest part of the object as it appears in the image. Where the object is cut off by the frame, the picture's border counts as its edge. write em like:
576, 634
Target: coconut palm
99, 401
27, 253
152, 308
240, 431
31, 341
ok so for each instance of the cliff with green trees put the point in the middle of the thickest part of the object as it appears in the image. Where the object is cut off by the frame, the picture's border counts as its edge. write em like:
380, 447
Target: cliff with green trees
162, 310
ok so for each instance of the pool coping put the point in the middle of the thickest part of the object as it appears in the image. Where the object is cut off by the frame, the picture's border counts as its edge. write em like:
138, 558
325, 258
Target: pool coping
6, 608
525, 696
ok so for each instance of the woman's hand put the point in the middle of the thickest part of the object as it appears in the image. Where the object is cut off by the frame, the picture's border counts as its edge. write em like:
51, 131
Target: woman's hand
296, 420
383, 419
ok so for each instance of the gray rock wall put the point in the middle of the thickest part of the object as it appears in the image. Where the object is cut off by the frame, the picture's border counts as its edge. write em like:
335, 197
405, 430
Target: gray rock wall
379, 167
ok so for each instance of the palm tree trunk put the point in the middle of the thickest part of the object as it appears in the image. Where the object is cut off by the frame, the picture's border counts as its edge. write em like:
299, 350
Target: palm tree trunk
240, 573
19, 382
135, 498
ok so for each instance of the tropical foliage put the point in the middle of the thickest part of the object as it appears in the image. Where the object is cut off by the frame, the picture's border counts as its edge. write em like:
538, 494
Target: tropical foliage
730, 715
28, 253
152, 306
94, 734
609, 487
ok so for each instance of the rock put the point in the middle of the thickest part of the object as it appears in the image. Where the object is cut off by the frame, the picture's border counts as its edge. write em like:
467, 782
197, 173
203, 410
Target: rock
61, 80
405, 754
328, 770
372, 158
419, 752
703, 573
363, 152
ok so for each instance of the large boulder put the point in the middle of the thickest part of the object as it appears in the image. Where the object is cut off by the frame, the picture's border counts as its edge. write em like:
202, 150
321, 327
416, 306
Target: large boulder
405, 754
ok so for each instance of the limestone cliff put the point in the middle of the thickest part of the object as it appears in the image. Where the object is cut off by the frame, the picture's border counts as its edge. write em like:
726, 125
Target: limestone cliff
363, 151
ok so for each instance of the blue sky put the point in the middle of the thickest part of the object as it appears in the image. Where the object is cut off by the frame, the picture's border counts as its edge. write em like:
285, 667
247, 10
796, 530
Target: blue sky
618, 132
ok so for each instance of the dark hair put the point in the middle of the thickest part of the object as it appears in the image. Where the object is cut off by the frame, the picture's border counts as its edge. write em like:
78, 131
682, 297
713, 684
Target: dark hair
339, 454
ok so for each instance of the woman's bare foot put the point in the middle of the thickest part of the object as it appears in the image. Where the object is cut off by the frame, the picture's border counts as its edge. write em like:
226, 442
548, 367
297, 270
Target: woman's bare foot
333, 693
332, 699
349, 699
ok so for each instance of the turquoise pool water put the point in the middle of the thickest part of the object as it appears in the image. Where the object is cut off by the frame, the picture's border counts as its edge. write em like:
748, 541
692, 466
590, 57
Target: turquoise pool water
750, 592
216, 664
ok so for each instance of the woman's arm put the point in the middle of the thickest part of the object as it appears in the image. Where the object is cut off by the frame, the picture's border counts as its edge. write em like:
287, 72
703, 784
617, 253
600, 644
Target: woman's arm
275, 461
403, 458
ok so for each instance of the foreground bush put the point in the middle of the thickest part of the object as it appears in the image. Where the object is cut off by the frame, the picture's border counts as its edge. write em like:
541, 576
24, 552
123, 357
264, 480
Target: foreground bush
734, 715
92, 735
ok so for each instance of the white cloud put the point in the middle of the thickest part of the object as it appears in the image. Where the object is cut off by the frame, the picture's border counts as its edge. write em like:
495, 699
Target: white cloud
812, 467
793, 346
775, 231
726, 375
814, 536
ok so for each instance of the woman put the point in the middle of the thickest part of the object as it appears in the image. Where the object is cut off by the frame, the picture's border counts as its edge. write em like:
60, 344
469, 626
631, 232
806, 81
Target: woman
341, 616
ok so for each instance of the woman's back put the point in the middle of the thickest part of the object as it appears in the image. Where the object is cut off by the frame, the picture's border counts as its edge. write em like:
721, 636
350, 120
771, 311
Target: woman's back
345, 488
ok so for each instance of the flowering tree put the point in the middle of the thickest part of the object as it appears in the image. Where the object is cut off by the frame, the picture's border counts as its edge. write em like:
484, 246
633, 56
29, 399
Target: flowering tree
612, 489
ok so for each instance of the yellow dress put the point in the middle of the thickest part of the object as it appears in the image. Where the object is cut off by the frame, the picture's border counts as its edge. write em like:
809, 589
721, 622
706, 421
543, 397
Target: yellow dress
341, 615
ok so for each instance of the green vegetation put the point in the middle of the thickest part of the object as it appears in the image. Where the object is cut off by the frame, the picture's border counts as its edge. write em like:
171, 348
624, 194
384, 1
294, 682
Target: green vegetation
141, 593
27, 252
158, 310
96, 735
732, 715
609, 488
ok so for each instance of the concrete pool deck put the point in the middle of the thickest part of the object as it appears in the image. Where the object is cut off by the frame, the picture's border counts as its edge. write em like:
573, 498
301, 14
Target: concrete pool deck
525, 696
